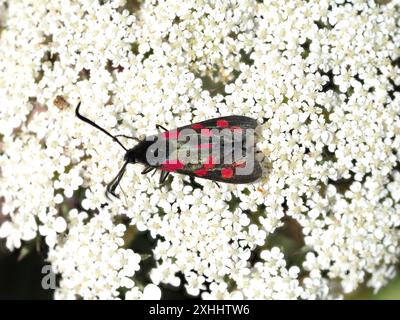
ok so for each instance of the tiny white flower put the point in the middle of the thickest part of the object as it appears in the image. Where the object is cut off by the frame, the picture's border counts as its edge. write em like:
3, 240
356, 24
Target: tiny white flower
152, 292
60, 225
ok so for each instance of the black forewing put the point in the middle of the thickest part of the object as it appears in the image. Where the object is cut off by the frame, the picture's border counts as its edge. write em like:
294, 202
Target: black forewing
215, 174
237, 121
222, 170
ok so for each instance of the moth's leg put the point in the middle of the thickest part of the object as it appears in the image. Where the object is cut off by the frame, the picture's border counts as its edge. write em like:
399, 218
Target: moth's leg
194, 183
115, 182
148, 169
111, 189
217, 184
158, 126
128, 137
192, 180
125, 197
163, 176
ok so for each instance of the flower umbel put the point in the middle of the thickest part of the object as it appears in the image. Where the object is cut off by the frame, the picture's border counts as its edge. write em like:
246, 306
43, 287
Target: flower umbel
321, 77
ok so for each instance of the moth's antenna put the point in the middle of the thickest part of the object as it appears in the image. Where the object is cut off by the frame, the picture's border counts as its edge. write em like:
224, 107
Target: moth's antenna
96, 126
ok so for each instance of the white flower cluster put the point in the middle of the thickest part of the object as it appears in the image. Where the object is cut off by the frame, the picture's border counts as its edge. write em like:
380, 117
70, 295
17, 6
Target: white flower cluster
91, 258
322, 78
206, 36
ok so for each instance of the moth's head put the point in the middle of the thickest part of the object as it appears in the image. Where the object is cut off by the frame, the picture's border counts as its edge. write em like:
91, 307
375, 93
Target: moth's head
130, 156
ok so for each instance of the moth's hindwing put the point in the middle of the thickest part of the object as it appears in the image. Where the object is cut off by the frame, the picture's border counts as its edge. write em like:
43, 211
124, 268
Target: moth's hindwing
220, 149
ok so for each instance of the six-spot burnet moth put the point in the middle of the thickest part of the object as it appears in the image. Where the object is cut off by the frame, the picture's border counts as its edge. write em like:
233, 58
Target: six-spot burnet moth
220, 149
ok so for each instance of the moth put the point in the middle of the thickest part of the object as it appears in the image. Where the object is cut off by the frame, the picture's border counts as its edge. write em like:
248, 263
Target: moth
220, 149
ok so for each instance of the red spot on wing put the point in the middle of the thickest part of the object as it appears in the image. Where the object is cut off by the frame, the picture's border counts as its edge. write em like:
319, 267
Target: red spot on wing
239, 164
227, 173
174, 134
197, 126
222, 123
236, 129
200, 172
171, 165
210, 163
206, 132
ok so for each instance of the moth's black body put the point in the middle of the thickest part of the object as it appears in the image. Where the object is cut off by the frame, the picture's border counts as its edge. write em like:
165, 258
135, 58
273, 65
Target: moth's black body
202, 167
138, 153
